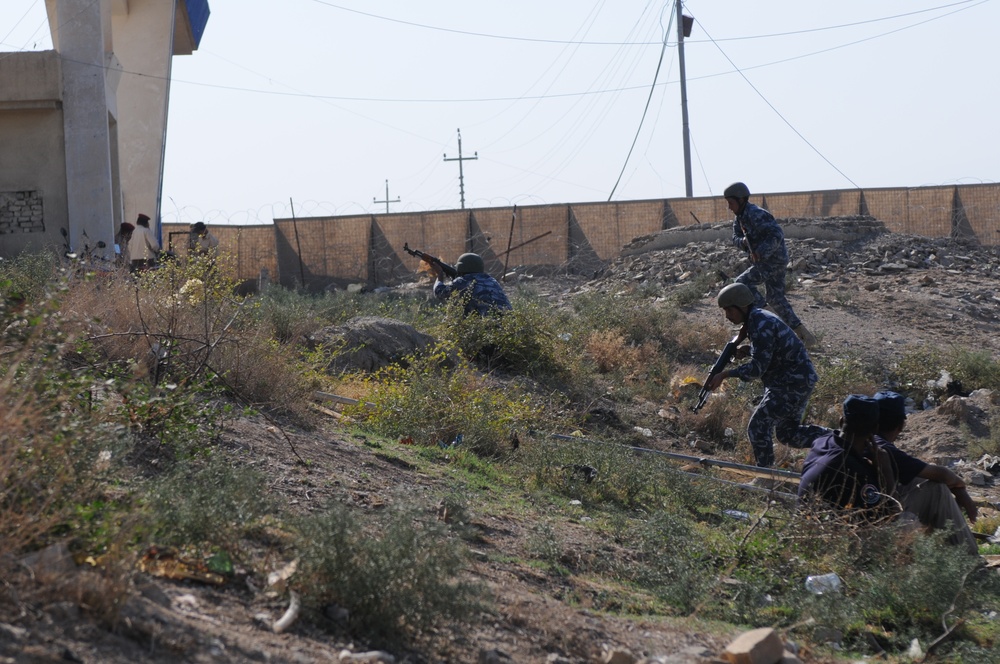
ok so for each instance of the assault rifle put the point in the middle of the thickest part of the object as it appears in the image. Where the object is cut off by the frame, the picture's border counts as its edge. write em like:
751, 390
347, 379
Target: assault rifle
720, 366
433, 260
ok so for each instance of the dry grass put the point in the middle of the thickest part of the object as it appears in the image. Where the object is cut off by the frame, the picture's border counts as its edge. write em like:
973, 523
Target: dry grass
610, 353
183, 324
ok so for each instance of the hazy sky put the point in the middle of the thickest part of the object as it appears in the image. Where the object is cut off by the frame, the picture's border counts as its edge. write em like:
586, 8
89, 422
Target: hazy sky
320, 102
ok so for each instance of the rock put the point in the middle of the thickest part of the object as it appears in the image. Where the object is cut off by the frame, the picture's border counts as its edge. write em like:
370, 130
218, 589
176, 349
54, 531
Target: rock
494, 656
50, 562
618, 656
368, 343
13, 632
979, 479
371, 657
956, 409
827, 635
758, 646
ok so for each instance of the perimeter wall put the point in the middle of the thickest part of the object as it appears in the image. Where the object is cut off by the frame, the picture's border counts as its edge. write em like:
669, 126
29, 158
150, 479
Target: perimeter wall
331, 252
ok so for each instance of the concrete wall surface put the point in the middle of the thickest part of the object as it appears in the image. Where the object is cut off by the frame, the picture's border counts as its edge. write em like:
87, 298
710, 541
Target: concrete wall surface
82, 127
33, 208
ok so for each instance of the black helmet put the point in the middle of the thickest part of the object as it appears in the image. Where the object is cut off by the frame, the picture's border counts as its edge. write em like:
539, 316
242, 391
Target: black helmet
469, 263
737, 190
861, 413
735, 295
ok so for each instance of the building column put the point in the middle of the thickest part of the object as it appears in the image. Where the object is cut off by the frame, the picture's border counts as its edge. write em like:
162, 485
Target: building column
78, 33
144, 44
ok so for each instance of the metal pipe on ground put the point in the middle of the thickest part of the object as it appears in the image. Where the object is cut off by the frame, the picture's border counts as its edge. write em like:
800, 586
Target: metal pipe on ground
756, 471
767, 473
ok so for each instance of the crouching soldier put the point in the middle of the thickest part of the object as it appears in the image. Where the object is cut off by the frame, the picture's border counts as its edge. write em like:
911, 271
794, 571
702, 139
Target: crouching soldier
484, 294
779, 359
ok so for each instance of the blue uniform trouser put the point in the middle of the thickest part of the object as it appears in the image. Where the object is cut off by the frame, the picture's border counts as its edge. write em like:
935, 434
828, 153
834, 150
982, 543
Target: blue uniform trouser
773, 278
781, 410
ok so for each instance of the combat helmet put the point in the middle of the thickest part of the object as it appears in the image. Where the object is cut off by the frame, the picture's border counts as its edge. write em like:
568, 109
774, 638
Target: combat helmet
737, 190
735, 295
470, 263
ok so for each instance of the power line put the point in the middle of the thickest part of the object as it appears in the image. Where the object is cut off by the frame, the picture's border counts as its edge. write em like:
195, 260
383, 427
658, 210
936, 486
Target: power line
778, 113
14, 27
645, 109
487, 35
562, 95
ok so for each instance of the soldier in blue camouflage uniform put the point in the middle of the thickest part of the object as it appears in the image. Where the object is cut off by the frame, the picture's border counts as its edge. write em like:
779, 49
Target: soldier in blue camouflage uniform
483, 294
779, 359
756, 232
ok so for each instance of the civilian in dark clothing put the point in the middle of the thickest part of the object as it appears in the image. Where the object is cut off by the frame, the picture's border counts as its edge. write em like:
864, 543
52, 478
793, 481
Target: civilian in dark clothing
846, 468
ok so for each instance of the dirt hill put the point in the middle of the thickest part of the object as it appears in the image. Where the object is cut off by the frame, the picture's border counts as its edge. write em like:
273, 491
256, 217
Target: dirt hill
872, 298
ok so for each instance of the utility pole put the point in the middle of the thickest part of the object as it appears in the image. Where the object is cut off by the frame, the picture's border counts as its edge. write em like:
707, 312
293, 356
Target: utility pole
684, 24
386, 201
460, 159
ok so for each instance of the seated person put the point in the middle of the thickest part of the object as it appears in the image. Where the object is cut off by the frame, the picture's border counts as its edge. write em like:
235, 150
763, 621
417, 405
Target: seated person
856, 470
932, 494
485, 294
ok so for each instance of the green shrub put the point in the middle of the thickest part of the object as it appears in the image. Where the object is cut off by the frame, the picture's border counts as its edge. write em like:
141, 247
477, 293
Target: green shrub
27, 276
435, 404
908, 589
671, 561
917, 366
975, 369
840, 377
55, 437
288, 314
523, 341
207, 503
397, 578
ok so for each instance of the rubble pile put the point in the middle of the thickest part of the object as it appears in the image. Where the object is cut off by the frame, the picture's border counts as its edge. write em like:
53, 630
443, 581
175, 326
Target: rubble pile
867, 252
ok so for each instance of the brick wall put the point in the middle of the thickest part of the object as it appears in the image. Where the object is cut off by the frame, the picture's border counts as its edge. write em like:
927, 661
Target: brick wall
331, 252
21, 212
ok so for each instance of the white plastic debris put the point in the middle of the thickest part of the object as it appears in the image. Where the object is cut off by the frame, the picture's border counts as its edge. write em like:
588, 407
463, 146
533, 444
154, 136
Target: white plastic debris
821, 584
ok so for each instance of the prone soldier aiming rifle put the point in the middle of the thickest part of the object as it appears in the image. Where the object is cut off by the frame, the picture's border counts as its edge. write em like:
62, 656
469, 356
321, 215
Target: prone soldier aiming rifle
432, 260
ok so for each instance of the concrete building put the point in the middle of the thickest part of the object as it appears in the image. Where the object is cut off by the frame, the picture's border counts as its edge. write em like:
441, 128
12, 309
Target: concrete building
83, 126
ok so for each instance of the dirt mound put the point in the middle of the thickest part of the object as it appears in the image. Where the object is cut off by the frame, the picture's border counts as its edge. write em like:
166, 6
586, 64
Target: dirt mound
957, 430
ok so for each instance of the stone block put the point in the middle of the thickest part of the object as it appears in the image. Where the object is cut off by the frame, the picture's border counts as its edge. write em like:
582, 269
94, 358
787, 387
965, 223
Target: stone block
758, 646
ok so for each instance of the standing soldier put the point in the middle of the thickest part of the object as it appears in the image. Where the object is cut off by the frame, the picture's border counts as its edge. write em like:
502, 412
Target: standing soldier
756, 232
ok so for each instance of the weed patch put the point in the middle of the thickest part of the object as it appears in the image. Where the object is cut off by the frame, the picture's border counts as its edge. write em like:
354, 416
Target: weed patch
396, 579
435, 405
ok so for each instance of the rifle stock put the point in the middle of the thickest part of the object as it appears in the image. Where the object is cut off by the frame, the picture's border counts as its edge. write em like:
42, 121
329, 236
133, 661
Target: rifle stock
434, 260
720, 365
